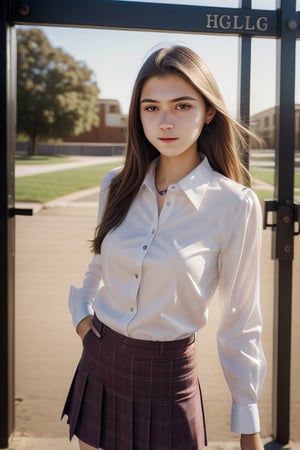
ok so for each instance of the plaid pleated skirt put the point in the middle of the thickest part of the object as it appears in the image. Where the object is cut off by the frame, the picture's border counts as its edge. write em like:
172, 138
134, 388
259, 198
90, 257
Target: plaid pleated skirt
130, 394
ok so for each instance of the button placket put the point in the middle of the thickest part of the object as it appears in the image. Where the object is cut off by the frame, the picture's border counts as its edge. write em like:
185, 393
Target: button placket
145, 247
168, 204
150, 236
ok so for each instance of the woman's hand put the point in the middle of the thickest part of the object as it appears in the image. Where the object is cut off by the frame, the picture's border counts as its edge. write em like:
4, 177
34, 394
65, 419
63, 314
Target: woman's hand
84, 326
251, 442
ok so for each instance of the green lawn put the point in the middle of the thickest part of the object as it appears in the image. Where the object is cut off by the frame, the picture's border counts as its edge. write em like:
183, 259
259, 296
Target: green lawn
264, 195
264, 175
268, 176
44, 187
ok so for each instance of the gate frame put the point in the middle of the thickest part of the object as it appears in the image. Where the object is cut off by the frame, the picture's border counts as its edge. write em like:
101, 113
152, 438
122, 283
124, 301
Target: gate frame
283, 24
7, 224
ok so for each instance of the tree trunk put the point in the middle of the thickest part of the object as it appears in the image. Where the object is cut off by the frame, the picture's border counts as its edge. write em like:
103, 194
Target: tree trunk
33, 146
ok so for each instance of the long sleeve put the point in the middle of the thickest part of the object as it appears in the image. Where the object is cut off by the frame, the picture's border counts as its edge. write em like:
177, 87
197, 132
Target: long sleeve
239, 333
81, 300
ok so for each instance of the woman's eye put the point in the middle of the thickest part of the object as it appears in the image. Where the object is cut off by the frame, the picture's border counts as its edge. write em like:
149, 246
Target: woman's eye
182, 107
151, 108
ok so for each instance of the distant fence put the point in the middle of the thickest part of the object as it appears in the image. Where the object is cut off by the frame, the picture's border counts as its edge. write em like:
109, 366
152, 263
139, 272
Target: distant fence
265, 159
258, 158
79, 149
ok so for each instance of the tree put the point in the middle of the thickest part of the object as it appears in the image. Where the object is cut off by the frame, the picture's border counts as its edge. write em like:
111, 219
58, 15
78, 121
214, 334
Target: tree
56, 95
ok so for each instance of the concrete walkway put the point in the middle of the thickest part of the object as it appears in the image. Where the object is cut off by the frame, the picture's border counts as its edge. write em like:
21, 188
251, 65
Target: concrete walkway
52, 252
25, 170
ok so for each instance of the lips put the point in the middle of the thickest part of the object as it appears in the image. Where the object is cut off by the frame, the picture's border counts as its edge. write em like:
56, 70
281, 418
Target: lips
169, 139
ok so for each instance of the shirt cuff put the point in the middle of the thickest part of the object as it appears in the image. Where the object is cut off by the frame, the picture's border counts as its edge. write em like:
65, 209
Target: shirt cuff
245, 418
79, 307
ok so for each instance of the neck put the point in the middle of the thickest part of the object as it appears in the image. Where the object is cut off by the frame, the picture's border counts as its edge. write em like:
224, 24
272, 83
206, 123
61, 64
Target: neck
171, 170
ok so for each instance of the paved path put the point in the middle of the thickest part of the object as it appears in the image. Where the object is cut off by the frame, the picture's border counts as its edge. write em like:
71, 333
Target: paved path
24, 170
51, 253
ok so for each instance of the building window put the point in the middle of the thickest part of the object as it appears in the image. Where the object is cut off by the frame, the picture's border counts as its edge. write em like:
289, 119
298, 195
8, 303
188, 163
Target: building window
112, 109
267, 121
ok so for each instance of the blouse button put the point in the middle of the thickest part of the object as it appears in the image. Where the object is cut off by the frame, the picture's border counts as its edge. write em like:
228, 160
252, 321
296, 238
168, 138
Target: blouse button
168, 203
131, 309
136, 275
145, 247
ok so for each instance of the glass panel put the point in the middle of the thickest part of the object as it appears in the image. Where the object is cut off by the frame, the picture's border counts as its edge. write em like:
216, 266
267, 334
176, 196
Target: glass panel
262, 107
295, 375
262, 122
264, 4
41, 290
47, 266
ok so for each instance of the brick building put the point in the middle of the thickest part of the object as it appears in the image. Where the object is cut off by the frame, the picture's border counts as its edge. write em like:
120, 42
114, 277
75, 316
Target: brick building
264, 123
112, 125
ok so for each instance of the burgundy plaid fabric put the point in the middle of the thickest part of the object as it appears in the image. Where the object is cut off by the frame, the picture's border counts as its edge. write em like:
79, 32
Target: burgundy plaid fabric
129, 394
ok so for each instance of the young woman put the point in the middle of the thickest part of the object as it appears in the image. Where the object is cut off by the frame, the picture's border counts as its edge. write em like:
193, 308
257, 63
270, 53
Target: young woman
175, 223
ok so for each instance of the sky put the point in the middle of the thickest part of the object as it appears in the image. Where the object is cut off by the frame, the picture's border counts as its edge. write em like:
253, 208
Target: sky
115, 56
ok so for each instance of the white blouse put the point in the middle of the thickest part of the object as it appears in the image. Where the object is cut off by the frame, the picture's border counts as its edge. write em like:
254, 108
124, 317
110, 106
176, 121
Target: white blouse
159, 272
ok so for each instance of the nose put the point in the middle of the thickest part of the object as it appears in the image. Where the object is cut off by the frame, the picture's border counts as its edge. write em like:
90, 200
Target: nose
166, 123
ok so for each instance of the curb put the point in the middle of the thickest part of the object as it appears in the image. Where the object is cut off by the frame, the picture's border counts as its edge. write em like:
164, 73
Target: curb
65, 200
60, 202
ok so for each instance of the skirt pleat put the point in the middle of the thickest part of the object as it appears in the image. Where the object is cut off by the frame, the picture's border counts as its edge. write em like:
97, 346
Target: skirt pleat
135, 395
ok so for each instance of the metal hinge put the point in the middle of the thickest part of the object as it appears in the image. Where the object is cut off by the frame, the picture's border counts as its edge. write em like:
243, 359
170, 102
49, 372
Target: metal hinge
286, 222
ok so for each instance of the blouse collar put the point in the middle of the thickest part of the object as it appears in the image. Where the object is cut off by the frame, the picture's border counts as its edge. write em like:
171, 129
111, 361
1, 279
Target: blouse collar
194, 185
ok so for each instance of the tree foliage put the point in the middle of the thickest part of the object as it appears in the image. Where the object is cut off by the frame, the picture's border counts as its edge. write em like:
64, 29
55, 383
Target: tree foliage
56, 95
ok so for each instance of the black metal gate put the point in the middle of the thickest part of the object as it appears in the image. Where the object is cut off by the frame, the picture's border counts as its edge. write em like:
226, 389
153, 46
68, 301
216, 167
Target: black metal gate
245, 22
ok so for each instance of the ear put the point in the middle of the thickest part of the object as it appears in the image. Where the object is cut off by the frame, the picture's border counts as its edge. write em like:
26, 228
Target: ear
210, 114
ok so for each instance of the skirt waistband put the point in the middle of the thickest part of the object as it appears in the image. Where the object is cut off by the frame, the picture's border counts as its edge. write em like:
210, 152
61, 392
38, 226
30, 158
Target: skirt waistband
162, 347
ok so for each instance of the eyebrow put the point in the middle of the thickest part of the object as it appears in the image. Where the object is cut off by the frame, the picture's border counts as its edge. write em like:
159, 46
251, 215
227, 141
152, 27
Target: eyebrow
178, 99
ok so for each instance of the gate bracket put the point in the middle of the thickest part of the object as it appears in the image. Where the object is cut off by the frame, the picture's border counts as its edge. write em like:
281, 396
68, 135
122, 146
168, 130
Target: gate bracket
297, 218
20, 212
285, 215
270, 206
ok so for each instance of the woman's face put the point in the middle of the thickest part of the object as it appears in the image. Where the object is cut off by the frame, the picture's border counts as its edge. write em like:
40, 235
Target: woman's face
173, 114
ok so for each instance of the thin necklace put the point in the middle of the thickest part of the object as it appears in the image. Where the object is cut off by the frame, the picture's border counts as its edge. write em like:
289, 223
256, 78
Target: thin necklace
163, 192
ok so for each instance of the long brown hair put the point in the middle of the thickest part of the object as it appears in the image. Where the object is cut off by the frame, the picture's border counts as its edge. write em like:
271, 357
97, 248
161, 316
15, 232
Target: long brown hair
221, 141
